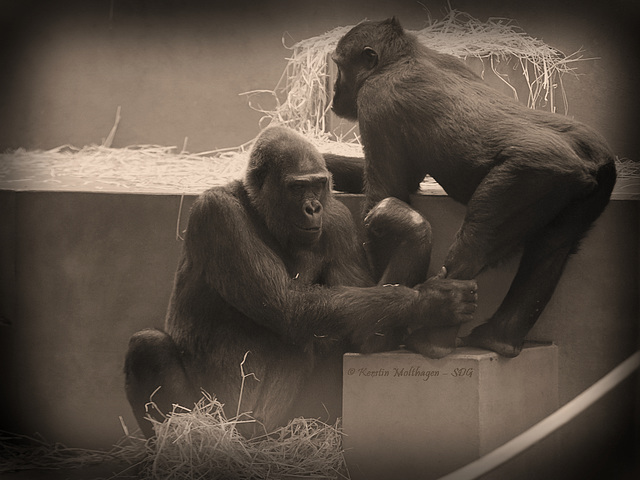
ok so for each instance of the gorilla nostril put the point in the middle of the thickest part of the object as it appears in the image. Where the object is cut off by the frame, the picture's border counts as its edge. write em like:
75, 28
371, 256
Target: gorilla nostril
313, 208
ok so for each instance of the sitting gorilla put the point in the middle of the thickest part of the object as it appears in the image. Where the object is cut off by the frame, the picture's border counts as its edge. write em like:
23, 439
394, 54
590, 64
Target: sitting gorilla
272, 266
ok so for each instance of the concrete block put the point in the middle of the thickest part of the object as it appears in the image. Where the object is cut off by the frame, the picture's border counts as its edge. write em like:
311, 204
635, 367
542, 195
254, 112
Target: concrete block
407, 416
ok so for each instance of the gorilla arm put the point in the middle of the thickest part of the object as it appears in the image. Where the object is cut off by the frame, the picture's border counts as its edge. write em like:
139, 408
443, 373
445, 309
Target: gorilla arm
347, 172
224, 246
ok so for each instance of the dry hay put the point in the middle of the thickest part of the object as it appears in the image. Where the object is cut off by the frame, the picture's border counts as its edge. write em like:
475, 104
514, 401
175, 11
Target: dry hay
302, 101
200, 443
627, 168
140, 168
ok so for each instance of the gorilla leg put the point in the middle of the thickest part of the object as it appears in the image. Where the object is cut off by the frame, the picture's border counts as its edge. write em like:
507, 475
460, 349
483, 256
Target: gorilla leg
513, 202
541, 266
274, 375
153, 361
276, 398
399, 245
543, 260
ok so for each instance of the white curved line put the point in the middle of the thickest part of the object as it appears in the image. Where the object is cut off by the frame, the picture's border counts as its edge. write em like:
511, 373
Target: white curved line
543, 428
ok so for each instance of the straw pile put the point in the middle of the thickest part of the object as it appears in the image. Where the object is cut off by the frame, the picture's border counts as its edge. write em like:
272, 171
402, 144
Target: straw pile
501, 40
198, 444
203, 443
302, 102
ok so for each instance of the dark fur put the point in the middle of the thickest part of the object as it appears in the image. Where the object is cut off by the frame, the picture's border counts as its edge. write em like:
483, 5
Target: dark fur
528, 178
347, 172
250, 280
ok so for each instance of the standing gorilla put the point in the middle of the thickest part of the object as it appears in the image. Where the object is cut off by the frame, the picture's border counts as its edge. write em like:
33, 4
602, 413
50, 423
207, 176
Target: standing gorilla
529, 179
272, 266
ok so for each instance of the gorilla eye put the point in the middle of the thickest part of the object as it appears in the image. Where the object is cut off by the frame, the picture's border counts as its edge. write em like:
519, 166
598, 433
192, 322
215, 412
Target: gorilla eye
370, 56
296, 187
319, 186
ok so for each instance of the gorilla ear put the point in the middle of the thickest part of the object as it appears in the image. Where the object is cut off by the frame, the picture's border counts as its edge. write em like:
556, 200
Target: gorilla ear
256, 172
370, 57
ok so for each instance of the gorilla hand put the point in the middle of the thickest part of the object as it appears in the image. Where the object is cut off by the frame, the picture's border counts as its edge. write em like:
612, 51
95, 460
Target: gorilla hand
447, 302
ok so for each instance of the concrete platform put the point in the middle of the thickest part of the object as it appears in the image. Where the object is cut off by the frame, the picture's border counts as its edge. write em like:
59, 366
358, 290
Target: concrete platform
410, 417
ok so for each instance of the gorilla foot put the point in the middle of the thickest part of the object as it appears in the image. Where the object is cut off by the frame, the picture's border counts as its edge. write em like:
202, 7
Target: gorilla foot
484, 336
433, 342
